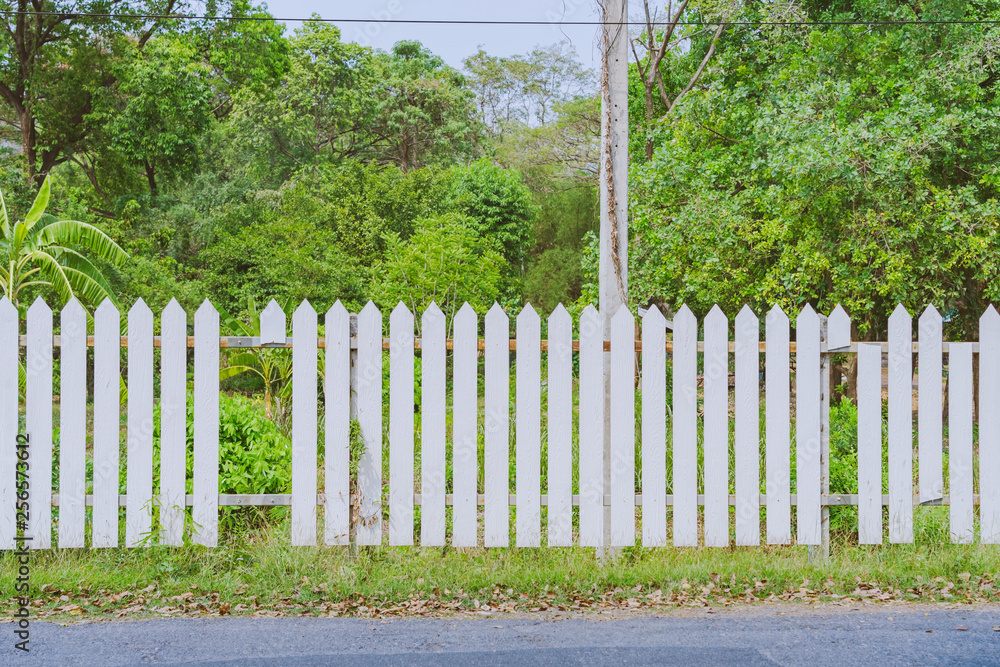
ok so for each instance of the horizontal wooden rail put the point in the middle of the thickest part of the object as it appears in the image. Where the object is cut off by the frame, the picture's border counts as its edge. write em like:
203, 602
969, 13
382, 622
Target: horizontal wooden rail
244, 342
285, 499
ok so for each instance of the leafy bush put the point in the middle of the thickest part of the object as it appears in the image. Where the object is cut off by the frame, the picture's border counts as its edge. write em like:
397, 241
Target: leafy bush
254, 456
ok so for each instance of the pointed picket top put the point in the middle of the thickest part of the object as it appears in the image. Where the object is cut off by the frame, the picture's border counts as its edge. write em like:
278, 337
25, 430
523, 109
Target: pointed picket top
306, 308
716, 315
838, 327
139, 309
496, 316
685, 316
7, 307
805, 315
174, 309
930, 318
39, 306
336, 310
272, 324
206, 307
747, 322
73, 313
466, 311
528, 314
776, 315
652, 314
899, 313
990, 315
431, 315
622, 316
401, 309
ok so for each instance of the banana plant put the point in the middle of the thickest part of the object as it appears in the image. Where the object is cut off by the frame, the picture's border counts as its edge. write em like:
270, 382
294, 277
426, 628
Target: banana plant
44, 251
274, 366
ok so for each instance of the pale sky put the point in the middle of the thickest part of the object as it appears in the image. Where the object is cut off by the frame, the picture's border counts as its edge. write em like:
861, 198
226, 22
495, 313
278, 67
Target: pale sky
456, 42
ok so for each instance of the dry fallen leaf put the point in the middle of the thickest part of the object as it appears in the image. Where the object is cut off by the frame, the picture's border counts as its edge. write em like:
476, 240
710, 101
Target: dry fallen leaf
961, 627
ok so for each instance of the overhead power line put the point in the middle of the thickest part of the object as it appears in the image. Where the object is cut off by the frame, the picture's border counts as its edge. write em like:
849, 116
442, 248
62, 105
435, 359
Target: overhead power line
642, 24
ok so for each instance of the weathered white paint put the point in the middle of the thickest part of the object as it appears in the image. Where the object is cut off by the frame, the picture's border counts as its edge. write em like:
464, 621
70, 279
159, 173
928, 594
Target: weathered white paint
433, 408
305, 457
139, 442
930, 408
205, 512
869, 444
623, 429
746, 427
560, 429
654, 429
960, 466
900, 426
173, 422
401, 424
989, 427
591, 429
107, 404
528, 430
777, 428
337, 447
9, 353
465, 441
369, 527
72, 425
808, 444
716, 429
685, 429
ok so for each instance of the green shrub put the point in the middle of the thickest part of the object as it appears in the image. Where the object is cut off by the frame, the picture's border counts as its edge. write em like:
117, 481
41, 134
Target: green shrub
254, 456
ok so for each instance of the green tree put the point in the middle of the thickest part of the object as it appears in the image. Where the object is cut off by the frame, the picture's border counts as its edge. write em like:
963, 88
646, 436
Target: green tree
839, 164
499, 207
444, 262
42, 251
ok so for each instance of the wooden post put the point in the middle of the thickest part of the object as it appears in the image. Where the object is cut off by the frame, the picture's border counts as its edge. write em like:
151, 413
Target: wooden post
613, 265
821, 553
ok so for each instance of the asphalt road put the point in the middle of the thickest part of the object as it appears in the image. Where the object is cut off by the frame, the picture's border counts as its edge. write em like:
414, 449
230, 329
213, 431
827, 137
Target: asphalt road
757, 637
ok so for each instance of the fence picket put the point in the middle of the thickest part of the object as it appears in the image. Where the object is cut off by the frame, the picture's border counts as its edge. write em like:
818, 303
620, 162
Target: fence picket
173, 422
777, 428
9, 353
528, 427
560, 429
205, 511
337, 395
716, 428
838, 328
623, 429
107, 404
305, 458
869, 444
38, 422
401, 487
433, 408
273, 324
139, 441
72, 426
591, 427
960, 441
989, 427
465, 454
369, 483
496, 515
654, 429
929, 403
808, 469
746, 426
685, 429
900, 426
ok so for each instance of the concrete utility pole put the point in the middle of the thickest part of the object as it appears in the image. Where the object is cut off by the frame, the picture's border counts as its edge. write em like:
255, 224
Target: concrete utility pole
614, 203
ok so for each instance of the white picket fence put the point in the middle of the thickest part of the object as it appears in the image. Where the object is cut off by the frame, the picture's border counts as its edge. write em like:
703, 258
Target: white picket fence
602, 482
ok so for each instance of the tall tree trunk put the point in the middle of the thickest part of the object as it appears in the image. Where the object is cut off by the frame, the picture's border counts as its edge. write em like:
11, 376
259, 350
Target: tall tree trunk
151, 178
